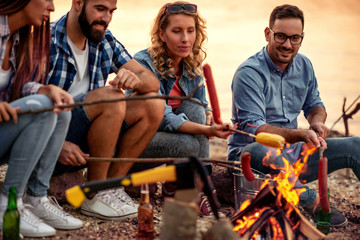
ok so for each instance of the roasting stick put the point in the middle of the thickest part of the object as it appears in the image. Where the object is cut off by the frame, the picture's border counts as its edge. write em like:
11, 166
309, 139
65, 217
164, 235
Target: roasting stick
132, 98
157, 160
322, 172
221, 163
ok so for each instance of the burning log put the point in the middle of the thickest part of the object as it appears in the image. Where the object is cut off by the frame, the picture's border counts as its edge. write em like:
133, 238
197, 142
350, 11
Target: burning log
271, 216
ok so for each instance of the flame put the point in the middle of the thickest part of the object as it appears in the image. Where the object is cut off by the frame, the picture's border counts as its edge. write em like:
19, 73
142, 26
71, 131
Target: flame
276, 229
285, 180
244, 204
245, 223
289, 174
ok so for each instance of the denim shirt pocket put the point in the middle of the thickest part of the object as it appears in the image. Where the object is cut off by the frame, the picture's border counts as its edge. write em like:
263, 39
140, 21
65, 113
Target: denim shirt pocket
297, 98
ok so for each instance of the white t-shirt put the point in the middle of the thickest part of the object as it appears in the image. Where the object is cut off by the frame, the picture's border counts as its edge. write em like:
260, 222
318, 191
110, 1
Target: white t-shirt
4, 78
81, 81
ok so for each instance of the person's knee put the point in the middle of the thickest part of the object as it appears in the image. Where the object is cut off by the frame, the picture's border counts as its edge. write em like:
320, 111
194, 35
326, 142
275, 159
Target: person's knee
153, 109
65, 117
108, 108
195, 112
355, 142
38, 101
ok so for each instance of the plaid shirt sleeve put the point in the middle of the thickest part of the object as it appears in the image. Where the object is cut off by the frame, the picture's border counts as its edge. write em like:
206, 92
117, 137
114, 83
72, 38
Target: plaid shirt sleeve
30, 88
120, 55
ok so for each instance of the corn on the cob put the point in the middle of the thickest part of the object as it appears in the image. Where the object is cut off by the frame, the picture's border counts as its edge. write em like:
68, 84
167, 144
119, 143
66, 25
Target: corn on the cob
270, 140
267, 139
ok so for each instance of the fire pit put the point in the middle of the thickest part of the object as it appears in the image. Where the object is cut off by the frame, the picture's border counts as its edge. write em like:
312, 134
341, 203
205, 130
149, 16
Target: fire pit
267, 208
271, 216
246, 190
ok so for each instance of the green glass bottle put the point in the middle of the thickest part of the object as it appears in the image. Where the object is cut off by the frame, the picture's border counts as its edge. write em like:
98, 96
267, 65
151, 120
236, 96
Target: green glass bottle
323, 219
11, 221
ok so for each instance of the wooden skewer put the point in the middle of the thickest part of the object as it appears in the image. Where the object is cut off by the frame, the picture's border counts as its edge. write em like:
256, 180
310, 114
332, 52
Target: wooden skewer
227, 166
156, 160
242, 132
131, 98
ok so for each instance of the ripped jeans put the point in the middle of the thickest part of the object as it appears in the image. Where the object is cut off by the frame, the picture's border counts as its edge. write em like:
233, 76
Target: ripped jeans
31, 146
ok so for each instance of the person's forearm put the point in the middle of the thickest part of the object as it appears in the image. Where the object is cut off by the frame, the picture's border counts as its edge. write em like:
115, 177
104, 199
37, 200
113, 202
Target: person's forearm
318, 114
194, 128
290, 135
149, 82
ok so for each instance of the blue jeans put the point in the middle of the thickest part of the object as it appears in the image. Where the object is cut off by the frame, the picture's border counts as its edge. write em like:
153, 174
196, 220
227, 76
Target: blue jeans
32, 146
181, 145
341, 153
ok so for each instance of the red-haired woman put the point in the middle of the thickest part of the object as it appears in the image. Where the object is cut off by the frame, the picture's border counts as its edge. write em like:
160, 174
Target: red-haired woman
30, 143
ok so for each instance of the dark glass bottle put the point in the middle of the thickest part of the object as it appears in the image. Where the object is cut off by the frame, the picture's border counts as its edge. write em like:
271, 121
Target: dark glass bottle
145, 215
11, 221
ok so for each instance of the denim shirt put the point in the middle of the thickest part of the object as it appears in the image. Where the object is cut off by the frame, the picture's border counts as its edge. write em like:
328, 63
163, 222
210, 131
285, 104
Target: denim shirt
4, 37
104, 58
262, 94
171, 122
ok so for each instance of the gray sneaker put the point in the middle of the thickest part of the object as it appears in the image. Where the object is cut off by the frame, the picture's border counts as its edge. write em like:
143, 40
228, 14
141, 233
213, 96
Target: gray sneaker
53, 214
108, 206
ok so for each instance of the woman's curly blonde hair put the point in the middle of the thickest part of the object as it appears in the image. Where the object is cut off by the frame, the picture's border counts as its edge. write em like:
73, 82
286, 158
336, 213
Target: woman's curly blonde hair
157, 51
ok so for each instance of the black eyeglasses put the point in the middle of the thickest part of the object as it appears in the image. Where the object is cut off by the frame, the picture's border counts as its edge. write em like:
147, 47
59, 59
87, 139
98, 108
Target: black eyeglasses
176, 8
282, 37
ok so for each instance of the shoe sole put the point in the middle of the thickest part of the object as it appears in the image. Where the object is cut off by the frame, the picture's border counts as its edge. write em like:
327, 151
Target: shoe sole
118, 218
339, 225
31, 234
61, 227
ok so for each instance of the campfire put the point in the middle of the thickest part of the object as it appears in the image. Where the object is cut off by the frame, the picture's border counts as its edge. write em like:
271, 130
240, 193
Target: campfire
272, 213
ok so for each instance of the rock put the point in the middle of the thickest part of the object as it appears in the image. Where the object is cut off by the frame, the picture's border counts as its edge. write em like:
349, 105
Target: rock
60, 183
224, 184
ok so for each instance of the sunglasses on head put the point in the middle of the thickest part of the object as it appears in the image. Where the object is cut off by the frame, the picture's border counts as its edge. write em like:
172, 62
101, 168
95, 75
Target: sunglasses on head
176, 8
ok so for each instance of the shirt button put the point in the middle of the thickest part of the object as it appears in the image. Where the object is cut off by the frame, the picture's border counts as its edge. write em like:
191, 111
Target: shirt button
181, 83
283, 97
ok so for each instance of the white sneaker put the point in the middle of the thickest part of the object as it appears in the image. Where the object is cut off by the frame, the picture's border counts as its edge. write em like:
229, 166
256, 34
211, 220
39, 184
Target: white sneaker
49, 210
106, 205
122, 195
30, 225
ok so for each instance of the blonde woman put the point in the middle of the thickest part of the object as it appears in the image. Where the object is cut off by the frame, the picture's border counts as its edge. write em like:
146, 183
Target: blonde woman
176, 56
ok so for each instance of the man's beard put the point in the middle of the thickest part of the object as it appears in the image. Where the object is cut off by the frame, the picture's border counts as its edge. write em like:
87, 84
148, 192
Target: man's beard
93, 35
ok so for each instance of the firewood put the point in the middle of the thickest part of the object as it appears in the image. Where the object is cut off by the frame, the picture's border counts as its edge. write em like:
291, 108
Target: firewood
179, 220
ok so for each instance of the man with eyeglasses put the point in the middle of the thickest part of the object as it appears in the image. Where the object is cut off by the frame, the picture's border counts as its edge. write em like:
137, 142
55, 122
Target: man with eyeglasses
270, 89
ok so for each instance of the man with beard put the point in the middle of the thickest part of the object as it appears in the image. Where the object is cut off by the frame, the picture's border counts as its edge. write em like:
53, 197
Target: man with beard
270, 89
83, 54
